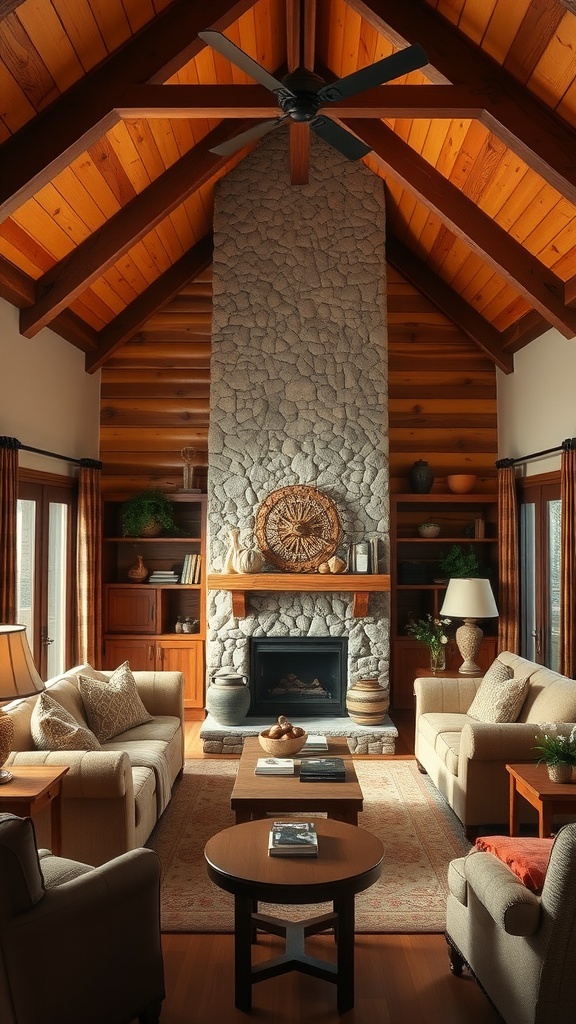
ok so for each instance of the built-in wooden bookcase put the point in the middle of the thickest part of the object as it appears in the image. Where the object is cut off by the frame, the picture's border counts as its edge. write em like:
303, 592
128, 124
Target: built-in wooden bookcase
416, 581
140, 618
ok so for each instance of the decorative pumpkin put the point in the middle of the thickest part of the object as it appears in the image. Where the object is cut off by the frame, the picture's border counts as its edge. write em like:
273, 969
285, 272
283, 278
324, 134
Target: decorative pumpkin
248, 560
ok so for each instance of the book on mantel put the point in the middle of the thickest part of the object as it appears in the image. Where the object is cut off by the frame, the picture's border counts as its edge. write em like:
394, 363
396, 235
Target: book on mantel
323, 769
293, 839
274, 766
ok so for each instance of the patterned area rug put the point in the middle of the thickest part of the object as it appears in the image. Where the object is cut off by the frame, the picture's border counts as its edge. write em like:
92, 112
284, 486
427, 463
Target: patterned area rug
418, 830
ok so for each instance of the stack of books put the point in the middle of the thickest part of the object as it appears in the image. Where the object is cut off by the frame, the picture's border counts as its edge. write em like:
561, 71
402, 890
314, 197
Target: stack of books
191, 569
274, 766
323, 769
293, 839
163, 576
315, 745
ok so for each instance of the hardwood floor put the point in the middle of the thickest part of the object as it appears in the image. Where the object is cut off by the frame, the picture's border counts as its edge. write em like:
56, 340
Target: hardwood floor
400, 979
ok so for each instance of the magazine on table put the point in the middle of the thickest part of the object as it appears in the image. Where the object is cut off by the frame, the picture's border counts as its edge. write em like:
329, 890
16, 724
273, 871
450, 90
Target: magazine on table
293, 838
274, 766
323, 769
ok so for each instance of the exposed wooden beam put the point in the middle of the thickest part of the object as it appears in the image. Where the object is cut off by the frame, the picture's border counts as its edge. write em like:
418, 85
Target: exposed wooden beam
31, 157
526, 329
309, 34
15, 286
67, 279
73, 329
533, 280
293, 34
525, 123
137, 314
446, 299
8, 6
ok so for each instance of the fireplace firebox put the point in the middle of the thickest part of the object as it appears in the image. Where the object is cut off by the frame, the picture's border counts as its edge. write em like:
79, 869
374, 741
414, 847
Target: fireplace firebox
298, 676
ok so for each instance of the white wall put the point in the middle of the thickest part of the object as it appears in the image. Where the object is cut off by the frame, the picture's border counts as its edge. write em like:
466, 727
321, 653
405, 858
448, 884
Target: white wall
537, 403
47, 400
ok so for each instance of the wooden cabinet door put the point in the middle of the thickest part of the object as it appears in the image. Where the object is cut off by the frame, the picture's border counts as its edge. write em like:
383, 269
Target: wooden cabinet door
186, 656
140, 654
131, 610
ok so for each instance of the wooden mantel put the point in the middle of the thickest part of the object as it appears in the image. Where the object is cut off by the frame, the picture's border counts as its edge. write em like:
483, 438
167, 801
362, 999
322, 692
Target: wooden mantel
361, 585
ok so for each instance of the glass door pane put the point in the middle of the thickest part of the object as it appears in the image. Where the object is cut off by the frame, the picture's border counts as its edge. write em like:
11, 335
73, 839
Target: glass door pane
25, 569
57, 576
554, 520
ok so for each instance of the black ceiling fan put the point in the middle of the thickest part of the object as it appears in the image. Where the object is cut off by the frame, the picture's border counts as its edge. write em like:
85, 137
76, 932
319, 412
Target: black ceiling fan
302, 94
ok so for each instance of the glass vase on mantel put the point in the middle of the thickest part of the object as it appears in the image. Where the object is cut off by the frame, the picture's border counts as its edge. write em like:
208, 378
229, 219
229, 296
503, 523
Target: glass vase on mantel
438, 658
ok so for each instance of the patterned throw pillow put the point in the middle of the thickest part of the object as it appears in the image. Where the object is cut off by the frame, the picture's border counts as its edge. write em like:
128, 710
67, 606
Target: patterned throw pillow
112, 706
54, 728
500, 696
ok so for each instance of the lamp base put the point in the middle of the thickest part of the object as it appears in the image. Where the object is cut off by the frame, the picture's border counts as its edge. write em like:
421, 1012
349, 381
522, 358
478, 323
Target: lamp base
5, 776
468, 640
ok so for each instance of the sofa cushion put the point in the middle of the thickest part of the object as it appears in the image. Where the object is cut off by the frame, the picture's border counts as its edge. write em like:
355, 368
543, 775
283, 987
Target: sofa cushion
527, 857
65, 691
551, 700
433, 723
53, 728
113, 705
448, 747
500, 695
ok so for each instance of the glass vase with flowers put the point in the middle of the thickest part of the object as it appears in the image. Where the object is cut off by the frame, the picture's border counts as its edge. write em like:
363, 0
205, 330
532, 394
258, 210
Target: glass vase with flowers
430, 631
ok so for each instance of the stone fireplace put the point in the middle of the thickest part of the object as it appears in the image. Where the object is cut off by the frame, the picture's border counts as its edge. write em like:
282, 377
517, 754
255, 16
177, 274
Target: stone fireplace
299, 385
298, 676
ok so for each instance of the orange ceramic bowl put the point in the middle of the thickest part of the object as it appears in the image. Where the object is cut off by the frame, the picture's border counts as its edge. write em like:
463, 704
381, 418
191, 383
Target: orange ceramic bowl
461, 483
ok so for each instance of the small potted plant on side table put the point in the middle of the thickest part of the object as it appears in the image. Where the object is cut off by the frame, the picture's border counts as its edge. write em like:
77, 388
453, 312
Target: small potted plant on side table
557, 751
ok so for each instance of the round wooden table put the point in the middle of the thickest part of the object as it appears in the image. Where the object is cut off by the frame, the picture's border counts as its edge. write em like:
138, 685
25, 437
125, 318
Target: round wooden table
349, 860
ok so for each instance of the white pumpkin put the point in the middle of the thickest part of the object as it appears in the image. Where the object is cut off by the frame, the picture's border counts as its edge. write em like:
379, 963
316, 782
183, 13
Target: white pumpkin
248, 560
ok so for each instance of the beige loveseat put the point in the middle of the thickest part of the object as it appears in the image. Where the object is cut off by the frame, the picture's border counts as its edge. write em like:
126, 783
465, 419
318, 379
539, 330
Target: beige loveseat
112, 797
466, 758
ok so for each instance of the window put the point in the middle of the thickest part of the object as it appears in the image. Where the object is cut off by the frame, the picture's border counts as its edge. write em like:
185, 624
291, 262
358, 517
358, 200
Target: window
540, 551
45, 569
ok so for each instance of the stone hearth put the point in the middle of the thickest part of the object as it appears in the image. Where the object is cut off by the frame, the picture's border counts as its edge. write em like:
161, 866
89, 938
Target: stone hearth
362, 739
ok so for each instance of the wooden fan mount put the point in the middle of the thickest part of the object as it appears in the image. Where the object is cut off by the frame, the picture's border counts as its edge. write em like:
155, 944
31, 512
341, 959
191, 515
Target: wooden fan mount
297, 528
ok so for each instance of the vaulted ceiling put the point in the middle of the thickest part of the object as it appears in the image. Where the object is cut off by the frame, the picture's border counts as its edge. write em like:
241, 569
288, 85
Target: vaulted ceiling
109, 113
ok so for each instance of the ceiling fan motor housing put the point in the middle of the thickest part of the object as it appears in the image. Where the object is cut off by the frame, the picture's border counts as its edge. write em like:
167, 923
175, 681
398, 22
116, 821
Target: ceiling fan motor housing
300, 100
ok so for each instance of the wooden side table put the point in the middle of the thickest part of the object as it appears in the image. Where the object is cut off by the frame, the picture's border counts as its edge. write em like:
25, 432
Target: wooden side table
531, 781
349, 860
34, 787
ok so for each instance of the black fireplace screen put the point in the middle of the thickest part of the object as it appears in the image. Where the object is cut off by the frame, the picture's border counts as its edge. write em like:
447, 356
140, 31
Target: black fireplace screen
304, 676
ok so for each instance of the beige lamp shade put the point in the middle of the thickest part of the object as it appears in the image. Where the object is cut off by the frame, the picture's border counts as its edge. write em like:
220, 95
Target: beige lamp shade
469, 599
18, 678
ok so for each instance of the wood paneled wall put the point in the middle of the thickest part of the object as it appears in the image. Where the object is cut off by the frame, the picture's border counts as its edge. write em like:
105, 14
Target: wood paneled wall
155, 395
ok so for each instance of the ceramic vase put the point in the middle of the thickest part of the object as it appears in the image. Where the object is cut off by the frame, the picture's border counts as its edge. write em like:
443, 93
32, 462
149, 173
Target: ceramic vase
420, 477
138, 571
228, 699
560, 772
438, 659
367, 702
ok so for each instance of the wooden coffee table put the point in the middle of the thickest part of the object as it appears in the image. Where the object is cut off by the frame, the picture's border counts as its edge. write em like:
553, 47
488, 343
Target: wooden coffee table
253, 796
531, 781
349, 860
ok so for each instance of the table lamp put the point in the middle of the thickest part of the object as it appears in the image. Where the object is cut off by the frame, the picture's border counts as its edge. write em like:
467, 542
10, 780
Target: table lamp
18, 678
469, 599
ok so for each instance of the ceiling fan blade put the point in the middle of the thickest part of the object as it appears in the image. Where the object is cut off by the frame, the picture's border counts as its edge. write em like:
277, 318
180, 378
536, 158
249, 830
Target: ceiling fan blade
236, 56
250, 135
339, 138
385, 70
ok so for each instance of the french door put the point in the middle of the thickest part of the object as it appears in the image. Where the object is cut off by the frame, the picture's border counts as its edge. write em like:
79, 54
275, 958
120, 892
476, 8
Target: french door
540, 558
45, 569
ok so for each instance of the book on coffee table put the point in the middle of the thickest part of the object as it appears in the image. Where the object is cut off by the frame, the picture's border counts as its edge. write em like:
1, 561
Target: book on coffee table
293, 839
274, 766
315, 745
323, 769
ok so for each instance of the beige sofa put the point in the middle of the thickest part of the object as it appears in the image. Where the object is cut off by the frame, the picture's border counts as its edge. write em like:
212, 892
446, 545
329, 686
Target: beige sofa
466, 758
112, 797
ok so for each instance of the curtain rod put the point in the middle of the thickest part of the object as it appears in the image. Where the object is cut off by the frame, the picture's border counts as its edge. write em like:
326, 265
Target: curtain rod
13, 443
568, 445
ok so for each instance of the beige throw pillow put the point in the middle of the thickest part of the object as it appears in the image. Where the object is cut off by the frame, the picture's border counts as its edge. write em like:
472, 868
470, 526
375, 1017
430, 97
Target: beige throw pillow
54, 728
500, 696
113, 706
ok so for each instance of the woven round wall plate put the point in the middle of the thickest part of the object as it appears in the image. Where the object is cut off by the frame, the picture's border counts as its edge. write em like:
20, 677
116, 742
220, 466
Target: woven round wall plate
297, 528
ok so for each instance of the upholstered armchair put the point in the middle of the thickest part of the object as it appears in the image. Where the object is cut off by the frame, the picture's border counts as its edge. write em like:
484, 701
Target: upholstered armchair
520, 945
78, 945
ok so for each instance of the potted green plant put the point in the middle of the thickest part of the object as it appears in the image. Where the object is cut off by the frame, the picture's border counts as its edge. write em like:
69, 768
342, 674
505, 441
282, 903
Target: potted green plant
430, 631
460, 563
146, 514
557, 751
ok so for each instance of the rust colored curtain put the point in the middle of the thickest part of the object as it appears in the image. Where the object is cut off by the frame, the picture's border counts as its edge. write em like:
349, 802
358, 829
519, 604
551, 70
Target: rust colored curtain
568, 562
8, 498
508, 589
89, 565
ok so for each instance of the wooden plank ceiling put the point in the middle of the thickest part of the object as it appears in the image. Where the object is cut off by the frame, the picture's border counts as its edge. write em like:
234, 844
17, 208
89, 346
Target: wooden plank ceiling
109, 112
